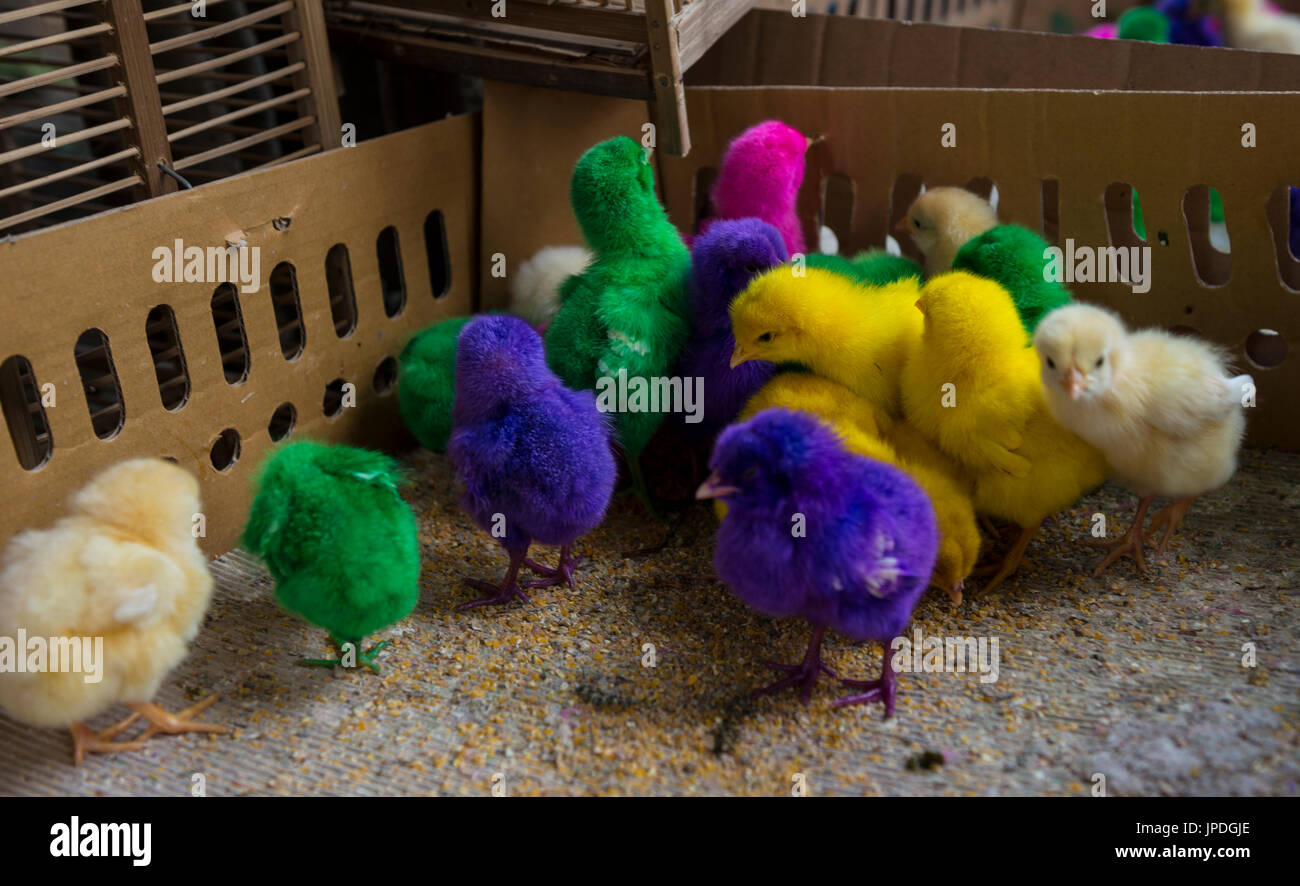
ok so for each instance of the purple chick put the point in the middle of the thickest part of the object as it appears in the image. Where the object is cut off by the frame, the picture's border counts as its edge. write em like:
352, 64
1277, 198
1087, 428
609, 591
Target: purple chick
723, 261
527, 450
862, 561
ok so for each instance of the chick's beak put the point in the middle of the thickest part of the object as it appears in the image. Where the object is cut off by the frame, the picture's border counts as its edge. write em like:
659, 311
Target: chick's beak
901, 227
739, 356
1073, 382
714, 488
920, 305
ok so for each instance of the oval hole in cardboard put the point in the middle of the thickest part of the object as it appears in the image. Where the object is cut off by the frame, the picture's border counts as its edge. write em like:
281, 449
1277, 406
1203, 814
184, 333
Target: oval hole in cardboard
343, 298
24, 412
232, 341
225, 450
1208, 239
701, 198
392, 280
1125, 223
1284, 222
282, 422
333, 403
435, 248
288, 310
99, 381
168, 358
385, 376
1266, 348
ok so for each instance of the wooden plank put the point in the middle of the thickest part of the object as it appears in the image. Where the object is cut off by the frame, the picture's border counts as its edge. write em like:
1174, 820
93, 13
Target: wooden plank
672, 129
129, 40
317, 73
249, 141
14, 221
220, 62
608, 22
18, 15
701, 24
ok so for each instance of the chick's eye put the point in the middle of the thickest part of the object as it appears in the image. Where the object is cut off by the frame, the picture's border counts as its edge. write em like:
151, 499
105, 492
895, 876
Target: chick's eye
749, 474
751, 268
1100, 360
916, 223
765, 337
1051, 364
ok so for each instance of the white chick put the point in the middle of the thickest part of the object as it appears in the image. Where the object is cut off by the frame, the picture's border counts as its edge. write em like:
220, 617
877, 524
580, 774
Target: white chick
1161, 407
123, 566
535, 287
941, 220
1250, 24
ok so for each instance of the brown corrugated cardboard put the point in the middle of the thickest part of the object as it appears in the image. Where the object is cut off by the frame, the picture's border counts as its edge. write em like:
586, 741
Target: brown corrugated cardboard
97, 274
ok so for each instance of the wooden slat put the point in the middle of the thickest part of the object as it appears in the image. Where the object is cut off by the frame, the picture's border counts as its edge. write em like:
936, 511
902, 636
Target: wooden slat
70, 172
672, 129
248, 84
52, 40
19, 15
223, 150
317, 75
70, 139
612, 24
97, 64
301, 152
130, 40
179, 7
217, 30
235, 115
212, 63
14, 221
72, 104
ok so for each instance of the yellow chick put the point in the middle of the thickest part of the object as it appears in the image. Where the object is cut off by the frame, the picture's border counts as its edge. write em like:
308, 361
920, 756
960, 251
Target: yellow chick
941, 220
859, 336
122, 579
868, 431
972, 387
1161, 407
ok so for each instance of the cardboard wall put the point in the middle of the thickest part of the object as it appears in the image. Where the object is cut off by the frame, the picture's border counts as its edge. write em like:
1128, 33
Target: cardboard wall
97, 273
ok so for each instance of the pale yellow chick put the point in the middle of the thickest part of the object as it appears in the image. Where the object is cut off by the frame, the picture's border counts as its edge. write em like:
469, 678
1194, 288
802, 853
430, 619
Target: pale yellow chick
972, 387
942, 220
1161, 407
124, 566
866, 430
1250, 24
856, 335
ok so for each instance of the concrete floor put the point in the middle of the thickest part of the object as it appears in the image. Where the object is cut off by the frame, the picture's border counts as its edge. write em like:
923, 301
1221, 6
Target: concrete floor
1139, 679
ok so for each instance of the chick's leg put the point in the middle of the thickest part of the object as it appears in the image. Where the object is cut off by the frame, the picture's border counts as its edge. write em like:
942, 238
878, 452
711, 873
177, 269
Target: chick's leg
805, 673
499, 594
367, 658
174, 724
559, 575
1131, 544
84, 741
875, 690
1169, 517
1011, 562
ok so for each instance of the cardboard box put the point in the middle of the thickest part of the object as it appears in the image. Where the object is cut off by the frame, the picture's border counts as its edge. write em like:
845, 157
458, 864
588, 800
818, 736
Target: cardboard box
1060, 124
97, 274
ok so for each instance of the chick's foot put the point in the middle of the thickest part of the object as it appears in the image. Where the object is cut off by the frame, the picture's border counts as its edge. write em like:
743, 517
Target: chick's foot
561, 574
84, 741
1010, 562
805, 673
1169, 517
498, 595
1130, 545
873, 690
180, 722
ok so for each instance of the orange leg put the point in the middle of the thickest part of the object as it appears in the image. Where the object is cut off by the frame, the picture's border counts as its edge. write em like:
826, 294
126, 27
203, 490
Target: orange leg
1011, 562
1169, 517
174, 724
1131, 544
84, 741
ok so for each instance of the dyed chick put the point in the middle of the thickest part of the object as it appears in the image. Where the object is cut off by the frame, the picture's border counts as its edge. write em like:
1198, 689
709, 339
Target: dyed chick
535, 286
868, 431
339, 540
723, 261
869, 547
1013, 256
972, 387
532, 456
427, 383
627, 315
856, 335
759, 177
123, 565
1161, 407
877, 267
1254, 24
942, 220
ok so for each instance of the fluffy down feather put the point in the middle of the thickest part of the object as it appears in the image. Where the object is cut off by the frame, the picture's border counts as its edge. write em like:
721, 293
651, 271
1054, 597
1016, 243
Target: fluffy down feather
942, 220
1013, 256
535, 286
759, 177
427, 382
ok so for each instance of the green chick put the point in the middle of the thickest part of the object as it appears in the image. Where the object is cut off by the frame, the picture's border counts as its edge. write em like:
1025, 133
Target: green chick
334, 531
876, 267
1014, 256
628, 312
427, 385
